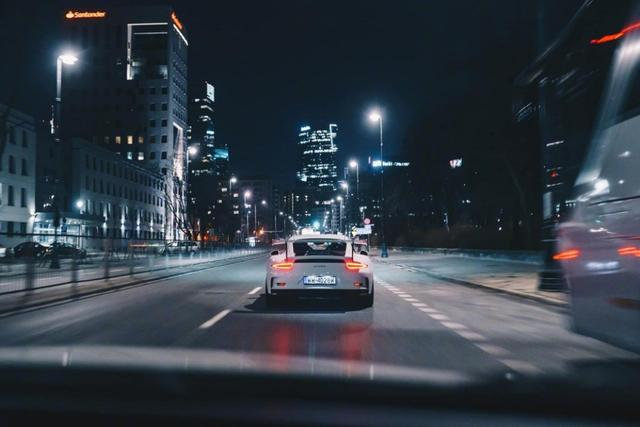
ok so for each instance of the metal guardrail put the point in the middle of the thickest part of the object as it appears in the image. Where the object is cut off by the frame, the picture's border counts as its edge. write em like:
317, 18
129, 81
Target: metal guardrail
531, 257
19, 275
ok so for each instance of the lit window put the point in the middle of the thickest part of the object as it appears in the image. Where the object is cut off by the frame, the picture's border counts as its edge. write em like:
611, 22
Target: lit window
140, 155
129, 155
118, 140
141, 139
129, 139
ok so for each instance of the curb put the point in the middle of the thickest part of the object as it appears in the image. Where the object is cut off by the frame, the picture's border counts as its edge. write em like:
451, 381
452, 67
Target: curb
537, 298
15, 310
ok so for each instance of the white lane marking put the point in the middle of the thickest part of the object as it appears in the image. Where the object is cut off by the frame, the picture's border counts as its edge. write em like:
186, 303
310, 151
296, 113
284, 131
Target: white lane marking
471, 336
439, 316
209, 323
418, 304
454, 325
404, 295
493, 349
521, 366
253, 291
428, 310
411, 300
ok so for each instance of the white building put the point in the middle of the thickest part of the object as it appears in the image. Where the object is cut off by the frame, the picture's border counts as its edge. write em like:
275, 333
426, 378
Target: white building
17, 176
110, 200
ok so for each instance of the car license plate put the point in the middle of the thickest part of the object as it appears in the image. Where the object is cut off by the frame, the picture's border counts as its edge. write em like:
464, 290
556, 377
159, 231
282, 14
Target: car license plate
319, 280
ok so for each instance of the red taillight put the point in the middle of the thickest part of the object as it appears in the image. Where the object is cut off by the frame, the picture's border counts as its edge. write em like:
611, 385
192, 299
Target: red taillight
629, 250
568, 254
285, 265
355, 265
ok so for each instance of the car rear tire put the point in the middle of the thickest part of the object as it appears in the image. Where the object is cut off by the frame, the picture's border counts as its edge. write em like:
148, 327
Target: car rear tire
270, 300
368, 300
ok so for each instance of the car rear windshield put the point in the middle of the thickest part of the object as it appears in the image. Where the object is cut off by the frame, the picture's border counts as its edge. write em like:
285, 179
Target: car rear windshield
319, 247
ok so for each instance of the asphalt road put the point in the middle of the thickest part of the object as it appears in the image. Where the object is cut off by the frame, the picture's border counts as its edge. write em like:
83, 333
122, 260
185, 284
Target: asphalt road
416, 321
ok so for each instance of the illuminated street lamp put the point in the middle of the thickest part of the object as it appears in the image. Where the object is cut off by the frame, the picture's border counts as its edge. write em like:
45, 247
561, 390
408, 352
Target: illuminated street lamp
339, 198
255, 216
353, 164
375, 116
193, 150
247, 195
67, 58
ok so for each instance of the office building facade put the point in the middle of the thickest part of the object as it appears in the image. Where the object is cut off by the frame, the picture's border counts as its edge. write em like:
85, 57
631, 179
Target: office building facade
128, 92
111, 202
17, 176
317, 176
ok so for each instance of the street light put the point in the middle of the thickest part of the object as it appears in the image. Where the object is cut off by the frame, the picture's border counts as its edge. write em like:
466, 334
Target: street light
67, 58
247, 195
375, 116
255, 216
353, 164
339, 198
193, 150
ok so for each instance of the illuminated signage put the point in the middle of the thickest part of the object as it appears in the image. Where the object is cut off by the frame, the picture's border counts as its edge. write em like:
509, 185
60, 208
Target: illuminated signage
83, 15
175, 20
305, 128
455, 163
210, 92
378, 163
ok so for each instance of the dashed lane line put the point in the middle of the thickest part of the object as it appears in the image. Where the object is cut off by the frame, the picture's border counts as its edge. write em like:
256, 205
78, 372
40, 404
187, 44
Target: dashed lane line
255, 290
215, 319
501, 354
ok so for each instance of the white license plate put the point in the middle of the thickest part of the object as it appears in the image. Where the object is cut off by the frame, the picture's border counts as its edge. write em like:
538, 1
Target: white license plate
319, 280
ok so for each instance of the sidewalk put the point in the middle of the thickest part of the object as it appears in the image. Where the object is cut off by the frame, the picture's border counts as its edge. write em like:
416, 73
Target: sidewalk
92, 269
505, 276
11, 302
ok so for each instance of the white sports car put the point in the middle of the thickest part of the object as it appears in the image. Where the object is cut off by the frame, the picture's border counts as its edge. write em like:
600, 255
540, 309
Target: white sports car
319, 266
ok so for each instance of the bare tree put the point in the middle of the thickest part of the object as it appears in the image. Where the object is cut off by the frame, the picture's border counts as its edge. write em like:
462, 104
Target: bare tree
175, 202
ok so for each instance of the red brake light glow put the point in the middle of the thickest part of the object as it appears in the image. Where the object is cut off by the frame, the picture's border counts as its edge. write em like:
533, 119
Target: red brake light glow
629, 250
354, 265
568, 254
616, 36
285, 265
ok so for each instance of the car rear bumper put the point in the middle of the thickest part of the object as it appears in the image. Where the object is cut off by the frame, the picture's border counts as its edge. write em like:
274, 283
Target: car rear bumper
320, 293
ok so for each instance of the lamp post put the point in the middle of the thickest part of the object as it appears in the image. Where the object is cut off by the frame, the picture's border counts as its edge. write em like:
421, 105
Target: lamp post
353, 164
232, 181
247, 195
66, 58
375, 116
340, 198
255, 216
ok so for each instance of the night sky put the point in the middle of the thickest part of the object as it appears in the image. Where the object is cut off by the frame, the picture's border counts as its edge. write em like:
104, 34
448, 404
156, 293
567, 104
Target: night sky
281, 64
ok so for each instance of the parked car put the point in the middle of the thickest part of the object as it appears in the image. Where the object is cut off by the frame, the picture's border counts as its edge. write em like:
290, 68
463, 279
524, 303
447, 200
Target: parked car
66, 250
29, 249
180, 247
5, 252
